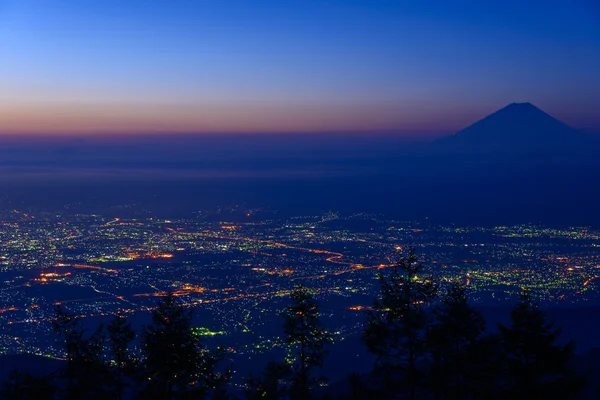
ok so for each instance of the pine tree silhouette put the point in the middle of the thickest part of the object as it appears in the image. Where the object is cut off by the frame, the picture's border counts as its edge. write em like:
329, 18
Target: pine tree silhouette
537, 367
395, 330
120, 336
174, 362
303, 331
271, 385
454, 341
85, 371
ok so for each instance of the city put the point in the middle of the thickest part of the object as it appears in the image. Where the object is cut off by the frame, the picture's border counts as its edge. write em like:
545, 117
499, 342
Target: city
299, 200
237, 273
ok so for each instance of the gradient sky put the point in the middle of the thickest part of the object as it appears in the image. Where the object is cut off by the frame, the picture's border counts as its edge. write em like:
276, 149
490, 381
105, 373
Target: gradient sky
77, 66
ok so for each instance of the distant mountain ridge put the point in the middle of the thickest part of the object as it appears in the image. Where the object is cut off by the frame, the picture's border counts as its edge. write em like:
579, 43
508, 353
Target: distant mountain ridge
516, 128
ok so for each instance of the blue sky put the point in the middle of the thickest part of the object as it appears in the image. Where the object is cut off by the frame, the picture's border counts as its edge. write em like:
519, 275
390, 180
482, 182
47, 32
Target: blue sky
292, 66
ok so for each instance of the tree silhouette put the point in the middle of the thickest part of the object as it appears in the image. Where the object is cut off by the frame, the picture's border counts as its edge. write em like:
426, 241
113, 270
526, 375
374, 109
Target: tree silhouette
358, 388
85, 371
66, 326
454, 342
304, 333
537, 366
487, 368
120, 336
175, 364
411, 339
271, 384
395, 330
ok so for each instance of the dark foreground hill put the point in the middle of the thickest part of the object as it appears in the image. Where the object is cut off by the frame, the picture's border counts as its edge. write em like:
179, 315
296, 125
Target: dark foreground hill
29, 363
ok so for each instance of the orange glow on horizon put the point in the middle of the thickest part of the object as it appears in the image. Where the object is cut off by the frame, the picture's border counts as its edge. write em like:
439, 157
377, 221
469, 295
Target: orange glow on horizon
149, 118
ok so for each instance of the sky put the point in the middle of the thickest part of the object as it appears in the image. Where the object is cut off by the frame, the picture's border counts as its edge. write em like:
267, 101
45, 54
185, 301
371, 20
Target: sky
413, 68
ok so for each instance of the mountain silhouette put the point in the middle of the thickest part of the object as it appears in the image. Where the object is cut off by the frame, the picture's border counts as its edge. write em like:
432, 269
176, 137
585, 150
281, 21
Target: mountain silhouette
517, 128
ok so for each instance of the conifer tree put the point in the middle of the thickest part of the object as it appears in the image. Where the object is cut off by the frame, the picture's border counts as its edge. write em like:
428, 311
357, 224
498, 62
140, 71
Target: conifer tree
395, 330
358, 389
120, 336
305, 334
271, 384
453, 341
537, 366
175, 364
85, 371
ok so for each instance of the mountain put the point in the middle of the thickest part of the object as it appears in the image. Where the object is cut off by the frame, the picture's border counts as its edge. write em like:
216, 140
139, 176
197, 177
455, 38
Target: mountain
519, 128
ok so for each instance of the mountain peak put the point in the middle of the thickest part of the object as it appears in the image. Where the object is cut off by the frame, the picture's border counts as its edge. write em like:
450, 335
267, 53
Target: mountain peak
516, 128
527, 107
525, 104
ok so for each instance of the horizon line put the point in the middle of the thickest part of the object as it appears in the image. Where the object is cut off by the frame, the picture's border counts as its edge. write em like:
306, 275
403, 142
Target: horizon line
399, 134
